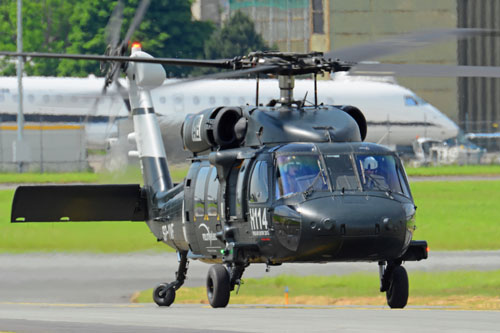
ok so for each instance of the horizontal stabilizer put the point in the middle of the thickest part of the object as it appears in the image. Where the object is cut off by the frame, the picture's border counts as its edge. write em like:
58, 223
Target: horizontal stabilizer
79, 203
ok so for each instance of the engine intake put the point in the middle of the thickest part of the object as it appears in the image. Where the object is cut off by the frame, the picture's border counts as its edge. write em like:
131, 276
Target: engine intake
221, 127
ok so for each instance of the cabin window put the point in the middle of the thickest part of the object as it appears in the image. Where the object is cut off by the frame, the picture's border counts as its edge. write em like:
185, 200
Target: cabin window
211, 100
196, 100
2, 98
199, 192
31, 98
241, 189
163, 99
226, 100
241, 100
213, 189
259, 183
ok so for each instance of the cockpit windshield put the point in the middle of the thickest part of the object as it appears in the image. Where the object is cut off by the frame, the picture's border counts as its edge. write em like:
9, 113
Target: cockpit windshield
341, 171
298, 174
380, 173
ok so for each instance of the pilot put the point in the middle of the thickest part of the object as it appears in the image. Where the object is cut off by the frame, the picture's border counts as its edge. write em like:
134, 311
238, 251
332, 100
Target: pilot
373, 180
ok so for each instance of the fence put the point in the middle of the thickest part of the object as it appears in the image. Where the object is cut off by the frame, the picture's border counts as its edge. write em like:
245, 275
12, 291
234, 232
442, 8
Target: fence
52, 147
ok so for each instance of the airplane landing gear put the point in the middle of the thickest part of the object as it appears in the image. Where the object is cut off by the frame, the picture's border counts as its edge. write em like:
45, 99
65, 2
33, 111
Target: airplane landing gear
164, 293
394, 281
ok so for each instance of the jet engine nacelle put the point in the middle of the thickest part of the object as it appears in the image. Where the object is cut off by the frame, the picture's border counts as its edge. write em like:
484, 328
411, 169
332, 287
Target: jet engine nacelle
213, 128
358, 116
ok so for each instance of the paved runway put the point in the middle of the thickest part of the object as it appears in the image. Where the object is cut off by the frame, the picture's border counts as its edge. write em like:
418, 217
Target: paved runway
238, 318
90, 293
111, 278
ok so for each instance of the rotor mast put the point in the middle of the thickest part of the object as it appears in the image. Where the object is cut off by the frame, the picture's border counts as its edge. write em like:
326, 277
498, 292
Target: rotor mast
286, 83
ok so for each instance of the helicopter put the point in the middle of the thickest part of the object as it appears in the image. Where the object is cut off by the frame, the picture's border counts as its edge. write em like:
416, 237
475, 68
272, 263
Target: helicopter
288, 182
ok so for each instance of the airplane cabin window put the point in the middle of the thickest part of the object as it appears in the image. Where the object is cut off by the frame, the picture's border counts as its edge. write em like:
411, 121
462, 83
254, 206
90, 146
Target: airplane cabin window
31, 98
241, 100
46, 98
211, 100
1, 98
59, 98
196, 100
74, 99
410, 101
163, 99
226, 100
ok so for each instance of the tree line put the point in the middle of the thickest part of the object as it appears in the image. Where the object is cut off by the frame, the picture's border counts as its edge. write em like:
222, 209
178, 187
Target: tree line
79, 26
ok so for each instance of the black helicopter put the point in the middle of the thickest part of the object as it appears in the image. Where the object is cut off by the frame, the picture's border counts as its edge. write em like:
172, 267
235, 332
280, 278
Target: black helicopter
285, 182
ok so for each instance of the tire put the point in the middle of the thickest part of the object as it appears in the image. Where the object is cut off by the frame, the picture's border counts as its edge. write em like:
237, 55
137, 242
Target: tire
163, 295
218, 290
397, 294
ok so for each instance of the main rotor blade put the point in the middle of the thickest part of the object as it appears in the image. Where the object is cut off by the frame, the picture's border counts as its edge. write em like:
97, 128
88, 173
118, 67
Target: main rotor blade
139, 14
421, 70
402, 43
223, 75
114, 25
222, 63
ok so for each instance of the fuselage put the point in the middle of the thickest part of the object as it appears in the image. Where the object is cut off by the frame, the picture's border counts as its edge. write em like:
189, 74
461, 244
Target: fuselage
326, 211
395, 115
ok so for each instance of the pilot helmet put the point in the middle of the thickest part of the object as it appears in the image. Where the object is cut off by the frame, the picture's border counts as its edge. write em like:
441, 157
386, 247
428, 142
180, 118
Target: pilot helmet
370, 163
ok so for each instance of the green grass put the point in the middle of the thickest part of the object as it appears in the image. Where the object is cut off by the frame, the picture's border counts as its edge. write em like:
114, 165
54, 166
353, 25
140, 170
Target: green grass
130, 175
458, 215
455, 170
433, 285
72, 236
450, 216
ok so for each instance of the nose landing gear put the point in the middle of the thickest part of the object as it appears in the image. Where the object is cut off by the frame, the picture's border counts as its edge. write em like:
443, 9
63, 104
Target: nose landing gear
394, 281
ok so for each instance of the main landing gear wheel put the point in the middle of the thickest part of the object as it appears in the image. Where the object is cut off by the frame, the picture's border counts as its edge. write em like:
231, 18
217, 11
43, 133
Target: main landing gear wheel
164, 295
397, 293
218, 287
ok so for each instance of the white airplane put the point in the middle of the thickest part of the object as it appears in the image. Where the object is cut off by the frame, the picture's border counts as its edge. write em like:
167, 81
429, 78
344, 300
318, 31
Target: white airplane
395, 115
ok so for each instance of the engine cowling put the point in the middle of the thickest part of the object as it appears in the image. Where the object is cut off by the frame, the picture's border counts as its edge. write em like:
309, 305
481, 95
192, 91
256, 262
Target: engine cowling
221, 127
358, 116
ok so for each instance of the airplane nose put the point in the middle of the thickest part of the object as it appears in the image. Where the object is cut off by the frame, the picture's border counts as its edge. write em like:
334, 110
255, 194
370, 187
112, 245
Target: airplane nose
447, 127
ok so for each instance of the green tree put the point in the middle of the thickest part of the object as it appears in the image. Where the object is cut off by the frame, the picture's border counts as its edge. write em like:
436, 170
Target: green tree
167, 30
237, 38
45, 29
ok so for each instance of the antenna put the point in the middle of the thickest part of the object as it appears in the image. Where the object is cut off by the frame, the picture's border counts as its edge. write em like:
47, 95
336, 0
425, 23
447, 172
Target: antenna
257, 91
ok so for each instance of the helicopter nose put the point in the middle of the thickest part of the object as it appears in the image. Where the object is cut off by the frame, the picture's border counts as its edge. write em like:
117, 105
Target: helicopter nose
354, 227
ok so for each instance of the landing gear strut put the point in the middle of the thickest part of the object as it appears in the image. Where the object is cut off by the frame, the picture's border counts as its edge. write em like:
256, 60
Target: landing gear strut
164, 294
394, 281
221, 281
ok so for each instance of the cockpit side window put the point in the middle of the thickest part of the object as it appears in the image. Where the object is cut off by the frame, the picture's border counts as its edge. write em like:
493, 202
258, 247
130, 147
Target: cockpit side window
410, 101
299, 173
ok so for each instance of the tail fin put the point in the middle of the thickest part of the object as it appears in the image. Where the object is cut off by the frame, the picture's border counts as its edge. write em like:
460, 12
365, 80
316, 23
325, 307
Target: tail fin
142, 77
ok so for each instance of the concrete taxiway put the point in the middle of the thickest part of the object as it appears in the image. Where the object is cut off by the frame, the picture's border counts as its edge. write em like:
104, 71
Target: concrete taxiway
238, 318
112, 278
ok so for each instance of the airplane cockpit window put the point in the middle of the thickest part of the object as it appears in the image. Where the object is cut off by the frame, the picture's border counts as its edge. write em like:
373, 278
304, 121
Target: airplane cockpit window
341, 172
378, 173
258, 183
299, 174
410, 101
